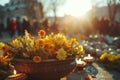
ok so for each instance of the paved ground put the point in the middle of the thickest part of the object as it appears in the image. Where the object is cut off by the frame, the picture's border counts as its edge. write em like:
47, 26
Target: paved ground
95, 69
104, 74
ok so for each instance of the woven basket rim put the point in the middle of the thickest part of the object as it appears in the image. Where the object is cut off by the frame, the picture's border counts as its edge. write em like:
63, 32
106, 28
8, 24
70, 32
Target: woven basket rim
45, 60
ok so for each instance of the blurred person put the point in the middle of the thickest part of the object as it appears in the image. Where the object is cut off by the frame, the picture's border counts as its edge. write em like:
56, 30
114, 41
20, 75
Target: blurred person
26, 24
118, 28
19, 26
13, 26
8, 29
46, 24
36, 26
95, 23
104, 25
1, 28
54, 27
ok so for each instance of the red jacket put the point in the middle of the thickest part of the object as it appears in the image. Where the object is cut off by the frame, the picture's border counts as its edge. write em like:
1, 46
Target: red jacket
13, 24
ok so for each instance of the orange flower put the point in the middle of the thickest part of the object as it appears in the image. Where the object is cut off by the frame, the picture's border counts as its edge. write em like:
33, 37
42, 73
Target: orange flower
41, 33
23, 39
67, 46
53, 51
29, 34
6, 50
37, 59
46, 47
5, 53
41, 41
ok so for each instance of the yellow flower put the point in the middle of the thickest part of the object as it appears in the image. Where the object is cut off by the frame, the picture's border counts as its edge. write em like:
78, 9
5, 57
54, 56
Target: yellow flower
37, 59
31, 43
111, 57
59, 39
61, 54
4, 60
15, 43
68, 47
80, 49
27, 35
51, 46
118, 56
1, 45
74, 41
23, 39
103, 56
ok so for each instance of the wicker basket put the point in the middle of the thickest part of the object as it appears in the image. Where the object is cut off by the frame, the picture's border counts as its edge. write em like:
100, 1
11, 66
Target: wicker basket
49, 69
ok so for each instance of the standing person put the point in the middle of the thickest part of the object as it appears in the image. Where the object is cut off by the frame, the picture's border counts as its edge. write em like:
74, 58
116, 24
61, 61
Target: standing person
118, 29
26, 24
106, 25
36, 25
8, 26
95, 23
1, 28
13, 27
19, 26
46, 24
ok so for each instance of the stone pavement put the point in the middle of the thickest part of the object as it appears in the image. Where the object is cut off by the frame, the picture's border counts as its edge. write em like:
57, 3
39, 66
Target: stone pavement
104, 74
96, 69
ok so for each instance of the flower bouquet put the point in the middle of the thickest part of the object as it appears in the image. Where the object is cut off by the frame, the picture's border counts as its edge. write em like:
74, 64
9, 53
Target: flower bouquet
109, 59
4, 67
51, 54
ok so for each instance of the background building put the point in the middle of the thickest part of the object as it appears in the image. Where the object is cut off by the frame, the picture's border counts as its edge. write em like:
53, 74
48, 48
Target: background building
20, 8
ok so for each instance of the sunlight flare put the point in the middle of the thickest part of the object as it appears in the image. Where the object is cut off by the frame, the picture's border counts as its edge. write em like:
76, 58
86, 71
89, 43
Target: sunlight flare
77, 7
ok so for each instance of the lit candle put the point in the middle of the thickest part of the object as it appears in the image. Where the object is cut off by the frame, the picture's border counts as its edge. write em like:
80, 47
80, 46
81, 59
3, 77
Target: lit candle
88, 58
80, 63
16, 76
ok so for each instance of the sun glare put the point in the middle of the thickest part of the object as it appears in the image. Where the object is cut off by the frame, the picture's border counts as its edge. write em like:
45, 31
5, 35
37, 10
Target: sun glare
77, 7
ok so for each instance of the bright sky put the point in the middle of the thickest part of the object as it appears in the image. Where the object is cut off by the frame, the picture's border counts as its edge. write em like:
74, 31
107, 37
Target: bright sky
2, 2
75, 7
71, 7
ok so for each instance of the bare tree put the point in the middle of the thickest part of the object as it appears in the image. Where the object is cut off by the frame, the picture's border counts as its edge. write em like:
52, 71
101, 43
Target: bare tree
55, 4
113, 6
52, 5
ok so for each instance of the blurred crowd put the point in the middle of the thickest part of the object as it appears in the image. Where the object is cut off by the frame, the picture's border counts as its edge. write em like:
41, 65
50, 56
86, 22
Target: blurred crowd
72, 27
17, 26
105, 26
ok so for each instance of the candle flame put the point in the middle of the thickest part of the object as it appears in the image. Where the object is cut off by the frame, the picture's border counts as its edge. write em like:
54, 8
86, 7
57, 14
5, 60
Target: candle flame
89, 55
78, 61
14, 72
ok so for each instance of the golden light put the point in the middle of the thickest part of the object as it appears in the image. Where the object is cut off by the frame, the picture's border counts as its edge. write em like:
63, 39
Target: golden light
14, 71
89, 55
88, 58
80, 63
77, 7
16, 76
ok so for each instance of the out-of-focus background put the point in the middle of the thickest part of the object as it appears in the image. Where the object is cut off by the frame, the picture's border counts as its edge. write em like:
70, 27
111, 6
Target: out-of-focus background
78, 18
94, 23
